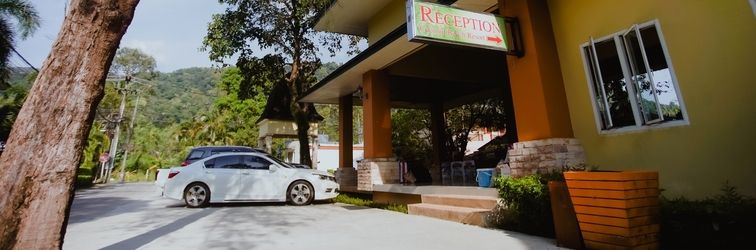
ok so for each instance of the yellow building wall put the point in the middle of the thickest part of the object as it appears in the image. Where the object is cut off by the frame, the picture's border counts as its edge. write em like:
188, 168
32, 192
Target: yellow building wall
712, 49
386, 20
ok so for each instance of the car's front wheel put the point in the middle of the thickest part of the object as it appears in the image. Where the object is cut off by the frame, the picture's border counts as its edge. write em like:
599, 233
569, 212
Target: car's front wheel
197, 195
301, 193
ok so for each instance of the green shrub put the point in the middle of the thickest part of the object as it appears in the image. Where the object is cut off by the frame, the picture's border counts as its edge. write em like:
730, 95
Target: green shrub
84, 171
528, 206
349, 199
83, 181
724, 221
332, 171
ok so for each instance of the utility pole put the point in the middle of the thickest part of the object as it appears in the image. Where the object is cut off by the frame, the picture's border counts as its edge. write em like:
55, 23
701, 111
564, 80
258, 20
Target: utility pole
127, 147
114, 141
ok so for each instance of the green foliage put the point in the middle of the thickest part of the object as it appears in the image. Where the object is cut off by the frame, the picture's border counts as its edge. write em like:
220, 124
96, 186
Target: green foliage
461, 120
94, 146
348, 199
410, 135
22, 15
285, 28
724, 221
333, 172
133, 62
135, 176
326, 70
527, 199
527, 202
11, 102
181, 96
84, 171
83, 181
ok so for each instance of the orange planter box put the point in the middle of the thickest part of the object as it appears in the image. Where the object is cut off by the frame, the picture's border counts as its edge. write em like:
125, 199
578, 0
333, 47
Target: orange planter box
616, 210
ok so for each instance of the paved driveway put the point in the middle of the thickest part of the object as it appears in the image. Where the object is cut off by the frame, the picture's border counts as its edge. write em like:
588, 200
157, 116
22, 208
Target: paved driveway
134, 216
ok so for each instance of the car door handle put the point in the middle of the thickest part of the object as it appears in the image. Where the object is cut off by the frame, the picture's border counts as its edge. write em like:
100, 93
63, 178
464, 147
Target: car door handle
245, 173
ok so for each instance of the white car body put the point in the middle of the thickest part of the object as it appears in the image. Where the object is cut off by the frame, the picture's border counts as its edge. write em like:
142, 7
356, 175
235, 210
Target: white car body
243, 184
162, 176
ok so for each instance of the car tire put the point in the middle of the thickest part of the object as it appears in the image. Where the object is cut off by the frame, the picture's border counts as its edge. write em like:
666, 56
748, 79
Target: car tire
300, 193
197, 195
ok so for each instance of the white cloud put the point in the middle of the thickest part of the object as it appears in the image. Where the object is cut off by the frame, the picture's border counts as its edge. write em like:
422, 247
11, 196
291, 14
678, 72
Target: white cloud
153, 48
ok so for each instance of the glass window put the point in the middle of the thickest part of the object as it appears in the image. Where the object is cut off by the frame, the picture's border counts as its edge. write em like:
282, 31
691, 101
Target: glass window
197, 154
636, 56
231, 161
210, 163
254, 162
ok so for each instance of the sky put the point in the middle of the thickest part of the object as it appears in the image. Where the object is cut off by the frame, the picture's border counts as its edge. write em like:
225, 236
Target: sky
169, 30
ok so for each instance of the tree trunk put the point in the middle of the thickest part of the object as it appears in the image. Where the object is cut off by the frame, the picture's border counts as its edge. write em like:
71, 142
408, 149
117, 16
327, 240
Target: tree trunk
39, 165
303, 125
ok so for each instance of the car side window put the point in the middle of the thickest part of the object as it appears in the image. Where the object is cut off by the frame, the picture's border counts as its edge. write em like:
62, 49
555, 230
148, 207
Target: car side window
231, 161
210, 163
197, 154
254, 162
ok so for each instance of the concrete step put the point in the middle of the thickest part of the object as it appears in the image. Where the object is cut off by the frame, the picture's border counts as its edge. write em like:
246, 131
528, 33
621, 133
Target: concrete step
482, 202
466, 215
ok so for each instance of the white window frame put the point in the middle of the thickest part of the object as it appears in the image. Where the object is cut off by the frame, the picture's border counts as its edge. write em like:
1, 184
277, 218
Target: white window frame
619, 41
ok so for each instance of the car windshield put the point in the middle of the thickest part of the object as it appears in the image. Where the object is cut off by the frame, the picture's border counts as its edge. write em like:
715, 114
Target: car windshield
284, 164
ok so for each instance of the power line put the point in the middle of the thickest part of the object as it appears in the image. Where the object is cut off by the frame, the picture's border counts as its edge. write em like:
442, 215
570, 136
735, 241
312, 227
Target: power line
22, 58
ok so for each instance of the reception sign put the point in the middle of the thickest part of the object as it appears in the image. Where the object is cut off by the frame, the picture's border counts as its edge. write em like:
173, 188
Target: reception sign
429, 22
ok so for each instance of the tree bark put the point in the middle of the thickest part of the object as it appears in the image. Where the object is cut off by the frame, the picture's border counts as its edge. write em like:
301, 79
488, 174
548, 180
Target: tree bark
37, 169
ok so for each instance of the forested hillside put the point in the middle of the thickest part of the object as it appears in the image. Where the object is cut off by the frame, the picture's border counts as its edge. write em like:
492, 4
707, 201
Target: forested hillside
182, 94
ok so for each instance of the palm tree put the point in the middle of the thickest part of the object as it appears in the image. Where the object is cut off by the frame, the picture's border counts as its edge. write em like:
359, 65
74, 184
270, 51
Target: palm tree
27, 21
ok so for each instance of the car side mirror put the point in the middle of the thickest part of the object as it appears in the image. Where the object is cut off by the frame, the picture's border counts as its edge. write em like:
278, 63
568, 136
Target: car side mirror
272, 168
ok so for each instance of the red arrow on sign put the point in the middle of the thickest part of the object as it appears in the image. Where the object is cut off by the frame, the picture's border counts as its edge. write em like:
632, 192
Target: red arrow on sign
494, 39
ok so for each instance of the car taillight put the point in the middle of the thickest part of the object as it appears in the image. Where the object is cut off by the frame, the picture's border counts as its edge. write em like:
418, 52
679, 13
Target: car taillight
172, 174
183, 164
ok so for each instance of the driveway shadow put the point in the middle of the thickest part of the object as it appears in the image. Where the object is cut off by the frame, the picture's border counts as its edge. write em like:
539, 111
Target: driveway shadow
87, 209
147, 237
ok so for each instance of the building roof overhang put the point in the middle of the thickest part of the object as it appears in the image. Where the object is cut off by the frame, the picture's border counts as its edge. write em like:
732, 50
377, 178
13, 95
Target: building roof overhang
419, 74
352, 16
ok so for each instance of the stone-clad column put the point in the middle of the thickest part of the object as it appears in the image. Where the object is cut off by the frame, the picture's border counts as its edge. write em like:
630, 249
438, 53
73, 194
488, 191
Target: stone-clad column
544, 156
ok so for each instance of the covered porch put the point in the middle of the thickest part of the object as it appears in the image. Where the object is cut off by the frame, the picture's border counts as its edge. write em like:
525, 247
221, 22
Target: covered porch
396, 73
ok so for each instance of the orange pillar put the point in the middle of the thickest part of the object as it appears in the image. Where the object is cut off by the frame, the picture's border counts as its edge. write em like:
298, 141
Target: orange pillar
377, 114
538, 93
345, 132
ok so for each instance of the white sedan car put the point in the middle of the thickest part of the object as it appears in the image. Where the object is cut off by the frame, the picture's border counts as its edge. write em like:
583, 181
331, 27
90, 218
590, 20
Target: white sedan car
247, 177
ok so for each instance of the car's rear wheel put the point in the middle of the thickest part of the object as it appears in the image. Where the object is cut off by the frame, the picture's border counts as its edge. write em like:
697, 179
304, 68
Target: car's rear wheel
301, 193
197, 195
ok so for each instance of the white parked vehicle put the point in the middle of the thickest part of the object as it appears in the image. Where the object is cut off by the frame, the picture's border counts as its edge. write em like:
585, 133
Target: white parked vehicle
161, 176
247, 177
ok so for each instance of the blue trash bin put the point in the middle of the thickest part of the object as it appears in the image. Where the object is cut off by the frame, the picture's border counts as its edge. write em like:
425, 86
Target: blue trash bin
484, 177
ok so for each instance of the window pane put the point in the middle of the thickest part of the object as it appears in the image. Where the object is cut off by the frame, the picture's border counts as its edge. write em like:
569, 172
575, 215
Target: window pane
197, 154
254, 162
599, 98
640, 77
665, 88
231, 161
210, 163
614, 83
